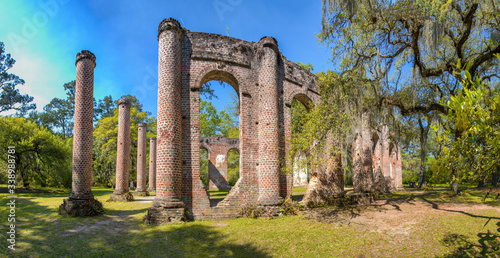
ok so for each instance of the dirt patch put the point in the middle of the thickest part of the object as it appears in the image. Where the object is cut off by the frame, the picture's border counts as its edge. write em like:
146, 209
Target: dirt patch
114, 224
390, 216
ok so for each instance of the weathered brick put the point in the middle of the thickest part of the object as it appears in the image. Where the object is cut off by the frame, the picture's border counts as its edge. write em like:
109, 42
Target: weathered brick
81, 201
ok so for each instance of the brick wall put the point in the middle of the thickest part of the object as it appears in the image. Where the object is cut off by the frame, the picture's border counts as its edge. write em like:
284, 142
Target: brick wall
218, 148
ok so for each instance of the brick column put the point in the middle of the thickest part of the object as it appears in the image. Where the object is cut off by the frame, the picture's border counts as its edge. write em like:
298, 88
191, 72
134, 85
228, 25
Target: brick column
81, 201
141, 161
121, 192
152, 164
268, 129
167, 205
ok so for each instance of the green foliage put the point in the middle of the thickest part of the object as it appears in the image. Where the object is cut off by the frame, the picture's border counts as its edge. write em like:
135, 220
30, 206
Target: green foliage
204, 166
41, 158
10, 98
233, 167
215, 123
326, 123
472, 142
291, 207
309, 67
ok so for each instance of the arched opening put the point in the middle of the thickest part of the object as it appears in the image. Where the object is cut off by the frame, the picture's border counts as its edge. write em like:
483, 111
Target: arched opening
219, 117
300, 164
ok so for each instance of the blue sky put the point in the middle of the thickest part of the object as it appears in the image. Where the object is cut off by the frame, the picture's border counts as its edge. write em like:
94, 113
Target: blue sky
44, 37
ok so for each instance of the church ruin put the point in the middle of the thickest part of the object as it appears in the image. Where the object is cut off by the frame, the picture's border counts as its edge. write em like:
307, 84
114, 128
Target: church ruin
266, 83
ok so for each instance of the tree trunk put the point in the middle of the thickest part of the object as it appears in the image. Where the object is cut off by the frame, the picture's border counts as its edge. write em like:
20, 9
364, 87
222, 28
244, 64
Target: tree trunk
495, 177
326, 186
424, 133
362, 157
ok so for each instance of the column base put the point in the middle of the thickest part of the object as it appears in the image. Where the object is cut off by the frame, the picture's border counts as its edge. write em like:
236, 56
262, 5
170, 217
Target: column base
270, 201
142, 192
152, 190
81, 208
124, 197
165, 211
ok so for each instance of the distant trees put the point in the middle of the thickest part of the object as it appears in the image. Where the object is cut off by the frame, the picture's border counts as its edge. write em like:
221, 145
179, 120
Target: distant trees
41, 157
10, 98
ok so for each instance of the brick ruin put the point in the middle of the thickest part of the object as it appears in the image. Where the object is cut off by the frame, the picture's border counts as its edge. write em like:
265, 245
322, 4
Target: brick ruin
81, 201
152, 165
266, 83
141, 161
122, 190
218, 148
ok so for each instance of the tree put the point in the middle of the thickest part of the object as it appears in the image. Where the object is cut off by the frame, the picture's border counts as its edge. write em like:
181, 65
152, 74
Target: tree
41, 157
407, 50
105, 108
10, 98
215, 123
474, 154
59, 115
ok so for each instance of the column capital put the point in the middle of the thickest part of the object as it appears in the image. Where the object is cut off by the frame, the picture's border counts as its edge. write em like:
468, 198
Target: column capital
85, 54
125, 101
269, 42
170, 24
141, 124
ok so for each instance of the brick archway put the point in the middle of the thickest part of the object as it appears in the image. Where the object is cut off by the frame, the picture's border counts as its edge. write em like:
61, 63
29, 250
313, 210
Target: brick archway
218, 148
265, 82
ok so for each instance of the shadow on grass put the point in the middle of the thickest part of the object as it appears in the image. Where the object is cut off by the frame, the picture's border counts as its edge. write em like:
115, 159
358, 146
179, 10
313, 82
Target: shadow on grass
436, 207
488, 244
40, 232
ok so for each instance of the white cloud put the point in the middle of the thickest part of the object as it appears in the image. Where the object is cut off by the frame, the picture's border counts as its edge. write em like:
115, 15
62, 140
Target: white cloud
42, 77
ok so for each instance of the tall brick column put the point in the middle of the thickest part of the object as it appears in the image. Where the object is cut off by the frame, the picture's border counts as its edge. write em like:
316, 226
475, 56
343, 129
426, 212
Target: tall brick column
167, 205
152, 164
81, 201
268, 130
121, 192
141, 161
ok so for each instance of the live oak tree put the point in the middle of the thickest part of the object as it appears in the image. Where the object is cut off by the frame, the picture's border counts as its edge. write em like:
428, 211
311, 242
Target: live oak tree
407, 51
41, 157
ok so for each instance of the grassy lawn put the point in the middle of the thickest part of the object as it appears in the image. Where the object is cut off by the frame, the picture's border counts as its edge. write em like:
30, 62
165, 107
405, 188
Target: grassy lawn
412, 223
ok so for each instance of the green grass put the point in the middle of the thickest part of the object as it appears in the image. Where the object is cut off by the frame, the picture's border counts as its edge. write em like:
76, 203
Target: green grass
120, 233
218, 194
